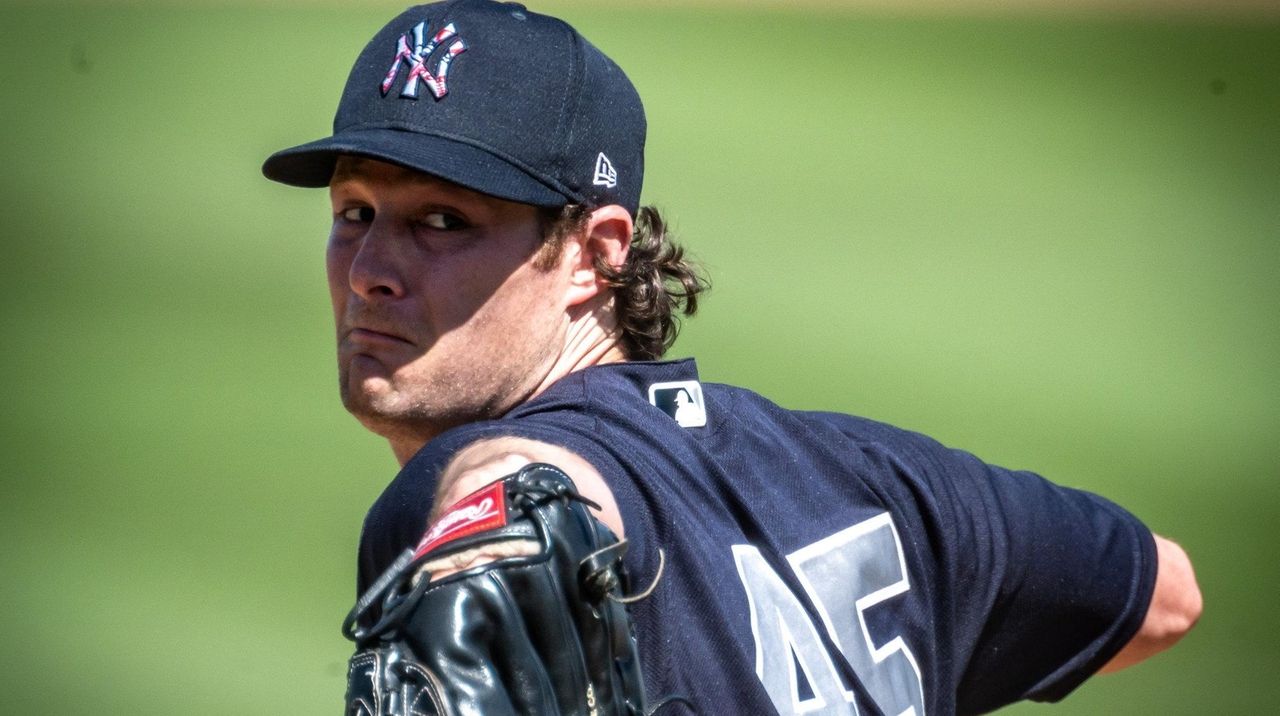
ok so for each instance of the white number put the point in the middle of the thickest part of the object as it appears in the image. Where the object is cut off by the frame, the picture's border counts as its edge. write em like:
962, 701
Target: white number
781, 628
844, 575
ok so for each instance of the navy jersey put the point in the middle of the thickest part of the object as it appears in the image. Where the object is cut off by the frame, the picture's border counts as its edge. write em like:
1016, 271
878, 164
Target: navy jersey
818, 562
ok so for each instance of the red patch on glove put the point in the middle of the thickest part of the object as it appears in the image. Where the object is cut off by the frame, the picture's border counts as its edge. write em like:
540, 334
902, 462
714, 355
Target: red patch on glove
484, 509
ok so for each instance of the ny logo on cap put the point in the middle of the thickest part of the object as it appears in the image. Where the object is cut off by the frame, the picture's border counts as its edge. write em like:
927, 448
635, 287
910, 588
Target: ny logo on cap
416, 57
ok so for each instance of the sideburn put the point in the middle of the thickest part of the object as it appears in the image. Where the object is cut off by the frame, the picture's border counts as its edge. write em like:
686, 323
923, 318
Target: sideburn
557, 226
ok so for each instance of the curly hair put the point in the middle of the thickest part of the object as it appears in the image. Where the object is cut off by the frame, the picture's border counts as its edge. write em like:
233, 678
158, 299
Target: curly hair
651, 289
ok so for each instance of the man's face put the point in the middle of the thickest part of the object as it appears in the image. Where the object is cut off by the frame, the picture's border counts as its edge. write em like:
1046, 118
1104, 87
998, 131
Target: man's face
442, 317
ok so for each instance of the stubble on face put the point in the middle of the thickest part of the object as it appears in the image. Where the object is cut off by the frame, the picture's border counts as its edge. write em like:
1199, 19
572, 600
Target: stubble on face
476, 372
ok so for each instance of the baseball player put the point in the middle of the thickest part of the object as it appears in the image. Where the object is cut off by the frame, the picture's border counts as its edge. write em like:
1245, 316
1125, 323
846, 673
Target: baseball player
581, 527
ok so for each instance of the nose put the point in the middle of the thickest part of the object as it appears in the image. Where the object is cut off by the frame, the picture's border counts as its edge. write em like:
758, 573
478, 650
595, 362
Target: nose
375, 271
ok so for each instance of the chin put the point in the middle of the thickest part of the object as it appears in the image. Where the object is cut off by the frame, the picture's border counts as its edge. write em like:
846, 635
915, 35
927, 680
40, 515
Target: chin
389, 415
367, 394
393, 426
370, 406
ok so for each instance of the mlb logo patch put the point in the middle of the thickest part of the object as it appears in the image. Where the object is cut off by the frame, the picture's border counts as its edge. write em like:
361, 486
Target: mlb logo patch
682, 400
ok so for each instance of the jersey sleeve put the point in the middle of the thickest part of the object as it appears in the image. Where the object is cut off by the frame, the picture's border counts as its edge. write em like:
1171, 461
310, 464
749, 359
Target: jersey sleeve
579, 434
398, 518
1048, 582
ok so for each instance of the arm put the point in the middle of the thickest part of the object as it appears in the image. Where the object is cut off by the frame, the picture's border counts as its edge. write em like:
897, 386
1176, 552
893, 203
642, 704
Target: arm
1175, 607
1070, 585
487, 461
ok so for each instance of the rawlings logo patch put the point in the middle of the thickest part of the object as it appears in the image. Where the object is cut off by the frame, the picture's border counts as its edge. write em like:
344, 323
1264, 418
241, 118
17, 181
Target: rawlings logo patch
484, 509
416, 57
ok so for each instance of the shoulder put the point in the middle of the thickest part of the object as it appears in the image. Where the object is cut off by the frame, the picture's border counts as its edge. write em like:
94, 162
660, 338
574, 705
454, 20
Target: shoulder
490, 459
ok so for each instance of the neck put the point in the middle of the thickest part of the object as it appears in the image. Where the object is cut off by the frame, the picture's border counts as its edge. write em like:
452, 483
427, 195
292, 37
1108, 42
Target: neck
405, 449
591, 337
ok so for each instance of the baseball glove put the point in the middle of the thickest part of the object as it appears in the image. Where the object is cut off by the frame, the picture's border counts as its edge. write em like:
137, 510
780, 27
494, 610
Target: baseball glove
543, 630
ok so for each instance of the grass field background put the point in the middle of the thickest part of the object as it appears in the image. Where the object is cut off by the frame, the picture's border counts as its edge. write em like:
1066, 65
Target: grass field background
1052, 241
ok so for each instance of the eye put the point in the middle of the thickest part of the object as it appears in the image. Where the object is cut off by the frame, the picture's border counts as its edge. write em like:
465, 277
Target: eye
444, 221
357, 214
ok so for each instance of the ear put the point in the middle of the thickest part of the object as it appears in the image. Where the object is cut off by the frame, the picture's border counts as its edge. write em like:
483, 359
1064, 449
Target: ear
606, 237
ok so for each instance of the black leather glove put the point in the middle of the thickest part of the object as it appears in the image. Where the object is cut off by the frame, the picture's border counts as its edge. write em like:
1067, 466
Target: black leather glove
541, 632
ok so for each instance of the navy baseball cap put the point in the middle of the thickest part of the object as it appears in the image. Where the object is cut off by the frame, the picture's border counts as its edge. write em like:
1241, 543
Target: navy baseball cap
490, 96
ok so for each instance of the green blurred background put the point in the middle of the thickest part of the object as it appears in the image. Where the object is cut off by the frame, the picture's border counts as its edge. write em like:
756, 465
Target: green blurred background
1052, 239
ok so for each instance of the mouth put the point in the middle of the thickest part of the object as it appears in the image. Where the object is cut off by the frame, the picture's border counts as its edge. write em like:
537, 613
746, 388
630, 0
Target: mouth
372, 337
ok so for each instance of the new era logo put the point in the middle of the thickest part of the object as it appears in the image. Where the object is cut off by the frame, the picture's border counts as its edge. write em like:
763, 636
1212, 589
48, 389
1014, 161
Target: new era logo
416, 57
606, 175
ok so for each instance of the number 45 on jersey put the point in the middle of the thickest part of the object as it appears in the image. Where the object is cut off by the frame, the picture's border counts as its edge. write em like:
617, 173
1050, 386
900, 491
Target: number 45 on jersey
844, 575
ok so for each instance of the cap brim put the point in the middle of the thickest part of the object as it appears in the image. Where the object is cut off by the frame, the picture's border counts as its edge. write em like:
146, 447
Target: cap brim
311, 165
